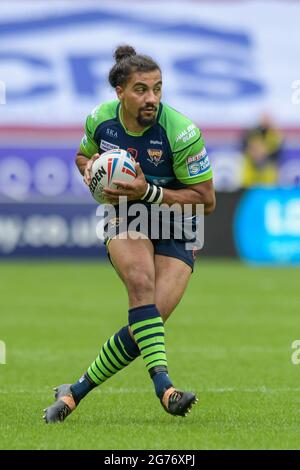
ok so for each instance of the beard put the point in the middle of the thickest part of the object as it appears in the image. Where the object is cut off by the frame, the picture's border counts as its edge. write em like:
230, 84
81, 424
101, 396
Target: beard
146, 121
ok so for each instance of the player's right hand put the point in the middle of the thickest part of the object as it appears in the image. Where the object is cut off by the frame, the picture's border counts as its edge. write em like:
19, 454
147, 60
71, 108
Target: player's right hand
87, 176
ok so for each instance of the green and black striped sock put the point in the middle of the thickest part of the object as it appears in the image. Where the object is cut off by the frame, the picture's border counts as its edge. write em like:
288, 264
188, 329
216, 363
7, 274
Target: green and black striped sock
118, 351
149, 332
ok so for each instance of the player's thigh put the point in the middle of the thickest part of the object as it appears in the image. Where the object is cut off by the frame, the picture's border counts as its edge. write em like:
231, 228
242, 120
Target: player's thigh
171, 279
134, 261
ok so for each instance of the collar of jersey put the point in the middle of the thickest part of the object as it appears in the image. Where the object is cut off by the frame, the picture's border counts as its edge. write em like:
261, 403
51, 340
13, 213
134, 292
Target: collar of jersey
125, 128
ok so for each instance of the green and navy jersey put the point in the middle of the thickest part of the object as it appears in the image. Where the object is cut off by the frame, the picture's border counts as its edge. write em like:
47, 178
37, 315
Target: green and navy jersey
171, 152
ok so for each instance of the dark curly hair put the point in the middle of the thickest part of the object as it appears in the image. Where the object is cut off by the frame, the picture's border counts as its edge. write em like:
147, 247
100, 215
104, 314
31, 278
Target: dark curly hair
127, 62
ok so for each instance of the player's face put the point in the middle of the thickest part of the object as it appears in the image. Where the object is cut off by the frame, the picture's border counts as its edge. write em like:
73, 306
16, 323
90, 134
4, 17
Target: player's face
140, 97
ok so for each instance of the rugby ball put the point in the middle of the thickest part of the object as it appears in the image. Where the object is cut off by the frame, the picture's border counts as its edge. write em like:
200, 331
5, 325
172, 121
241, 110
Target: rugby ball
111, 165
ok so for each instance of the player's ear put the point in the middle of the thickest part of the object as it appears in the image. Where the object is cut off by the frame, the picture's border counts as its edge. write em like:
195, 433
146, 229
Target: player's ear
120, 92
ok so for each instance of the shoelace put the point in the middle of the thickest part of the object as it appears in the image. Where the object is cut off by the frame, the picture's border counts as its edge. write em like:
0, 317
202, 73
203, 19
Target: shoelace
175, 396
64, 412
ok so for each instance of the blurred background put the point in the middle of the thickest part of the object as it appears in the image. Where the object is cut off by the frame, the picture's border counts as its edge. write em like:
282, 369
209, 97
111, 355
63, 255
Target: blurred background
231, 66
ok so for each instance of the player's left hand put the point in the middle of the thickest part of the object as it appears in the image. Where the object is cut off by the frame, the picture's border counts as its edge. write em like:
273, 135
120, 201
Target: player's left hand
133, 190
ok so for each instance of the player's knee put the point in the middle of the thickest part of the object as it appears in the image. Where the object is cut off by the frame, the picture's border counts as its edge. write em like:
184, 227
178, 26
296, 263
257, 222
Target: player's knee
139, 282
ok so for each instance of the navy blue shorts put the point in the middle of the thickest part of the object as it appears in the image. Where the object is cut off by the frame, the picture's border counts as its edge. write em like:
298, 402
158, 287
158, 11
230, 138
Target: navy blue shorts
167, 237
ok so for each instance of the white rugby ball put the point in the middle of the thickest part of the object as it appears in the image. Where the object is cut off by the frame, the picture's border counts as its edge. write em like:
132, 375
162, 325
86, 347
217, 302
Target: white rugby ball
111, 165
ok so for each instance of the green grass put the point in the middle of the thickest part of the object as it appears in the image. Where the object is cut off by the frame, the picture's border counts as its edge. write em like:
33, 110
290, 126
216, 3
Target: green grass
229, 340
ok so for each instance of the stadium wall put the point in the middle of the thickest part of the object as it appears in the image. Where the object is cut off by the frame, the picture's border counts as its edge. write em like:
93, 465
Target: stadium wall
220, 68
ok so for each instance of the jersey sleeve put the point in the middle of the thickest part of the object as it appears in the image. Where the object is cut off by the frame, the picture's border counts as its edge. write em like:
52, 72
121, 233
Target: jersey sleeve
191, 163
87, 145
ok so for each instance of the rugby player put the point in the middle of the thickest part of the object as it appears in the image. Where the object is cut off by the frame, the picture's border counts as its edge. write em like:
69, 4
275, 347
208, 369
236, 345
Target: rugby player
172, 168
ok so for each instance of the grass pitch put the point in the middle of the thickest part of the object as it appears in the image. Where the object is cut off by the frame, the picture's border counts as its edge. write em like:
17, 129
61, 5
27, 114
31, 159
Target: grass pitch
229, 340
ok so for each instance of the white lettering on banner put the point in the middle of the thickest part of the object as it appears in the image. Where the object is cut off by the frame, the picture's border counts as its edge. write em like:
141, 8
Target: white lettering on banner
283, 218
15, 177
40, 230
10, 233
47, 230
223, 74
51, 176
83, 231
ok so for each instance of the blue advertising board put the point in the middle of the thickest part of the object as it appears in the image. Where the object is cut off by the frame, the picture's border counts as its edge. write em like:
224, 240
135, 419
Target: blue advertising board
267, 226
35, 230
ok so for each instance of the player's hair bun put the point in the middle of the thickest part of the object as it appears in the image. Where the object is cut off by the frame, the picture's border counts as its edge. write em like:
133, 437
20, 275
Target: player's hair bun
127, 62
122, 52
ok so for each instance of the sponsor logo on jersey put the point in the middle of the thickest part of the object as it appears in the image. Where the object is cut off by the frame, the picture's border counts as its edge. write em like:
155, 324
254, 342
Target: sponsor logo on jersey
197, 157
112, 133
155, 156
156, 142
104, 145
187, 134
198, 164
133, 152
